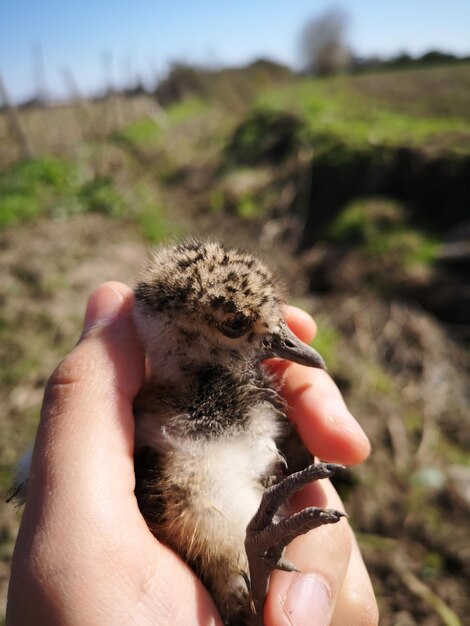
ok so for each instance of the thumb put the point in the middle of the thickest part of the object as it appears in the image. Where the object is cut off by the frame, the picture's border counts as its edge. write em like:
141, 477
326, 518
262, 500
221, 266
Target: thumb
86, 431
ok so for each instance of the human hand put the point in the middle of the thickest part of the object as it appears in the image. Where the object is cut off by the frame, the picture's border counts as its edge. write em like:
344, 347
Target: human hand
84, 553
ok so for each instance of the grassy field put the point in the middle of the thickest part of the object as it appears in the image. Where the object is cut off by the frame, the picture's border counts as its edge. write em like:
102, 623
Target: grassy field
110, 178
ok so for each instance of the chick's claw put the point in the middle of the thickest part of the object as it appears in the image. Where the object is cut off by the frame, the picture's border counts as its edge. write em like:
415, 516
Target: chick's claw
266, 539
276, 495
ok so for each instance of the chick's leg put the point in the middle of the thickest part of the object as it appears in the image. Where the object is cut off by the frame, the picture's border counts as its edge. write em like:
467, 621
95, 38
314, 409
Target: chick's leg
265, 539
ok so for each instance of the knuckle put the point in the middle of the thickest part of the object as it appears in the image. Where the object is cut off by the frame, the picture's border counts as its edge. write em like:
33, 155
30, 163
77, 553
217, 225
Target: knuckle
70, 375
69, 370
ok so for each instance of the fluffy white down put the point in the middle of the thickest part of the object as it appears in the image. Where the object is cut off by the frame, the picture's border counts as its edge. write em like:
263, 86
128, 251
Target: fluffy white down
229, 471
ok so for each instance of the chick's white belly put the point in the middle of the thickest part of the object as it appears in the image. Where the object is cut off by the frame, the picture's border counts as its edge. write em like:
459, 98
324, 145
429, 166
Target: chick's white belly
215, 490
209, 489
221, 483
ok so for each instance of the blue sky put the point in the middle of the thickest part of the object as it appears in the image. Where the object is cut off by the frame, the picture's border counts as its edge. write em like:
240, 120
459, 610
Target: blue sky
143, 36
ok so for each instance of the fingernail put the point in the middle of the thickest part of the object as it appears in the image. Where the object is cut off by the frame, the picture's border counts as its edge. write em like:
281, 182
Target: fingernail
102, 305
307, 602
340, 416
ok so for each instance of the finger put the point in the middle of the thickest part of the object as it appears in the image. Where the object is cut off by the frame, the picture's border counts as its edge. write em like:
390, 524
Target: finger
356, 604
308, 598
300, 322
315, 404
87, 428
320, 415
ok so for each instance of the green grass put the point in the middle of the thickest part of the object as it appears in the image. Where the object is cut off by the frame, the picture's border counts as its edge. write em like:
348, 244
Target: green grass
418, 248
184, 134
153, 223
149, 132
379, 226
186, 109
248, 208
432, 92
28, 187
100, 196
265, 134
333, 112
150, 214
142, 132
54, 187
362, 221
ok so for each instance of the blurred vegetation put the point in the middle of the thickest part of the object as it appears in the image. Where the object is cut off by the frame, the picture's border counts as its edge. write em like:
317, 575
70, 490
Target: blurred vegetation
380, 228
335, 112
54, 187
265, 135
356, 188
232, 86
146, 131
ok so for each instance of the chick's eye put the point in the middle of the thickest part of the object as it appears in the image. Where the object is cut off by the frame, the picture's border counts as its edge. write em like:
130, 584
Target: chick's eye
235, 326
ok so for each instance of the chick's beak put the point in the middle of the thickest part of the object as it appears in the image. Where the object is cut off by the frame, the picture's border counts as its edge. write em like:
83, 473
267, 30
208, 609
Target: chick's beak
284, 344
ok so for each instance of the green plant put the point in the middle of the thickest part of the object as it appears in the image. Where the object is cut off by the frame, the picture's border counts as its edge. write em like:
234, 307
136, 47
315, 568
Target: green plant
99, 196
265, 135
153, 224
55, 187
332, 110
186, 109
29, 187
143, 132
379, 227
248, 208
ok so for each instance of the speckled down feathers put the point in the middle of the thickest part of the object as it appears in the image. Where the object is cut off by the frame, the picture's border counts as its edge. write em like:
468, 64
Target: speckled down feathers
195, 275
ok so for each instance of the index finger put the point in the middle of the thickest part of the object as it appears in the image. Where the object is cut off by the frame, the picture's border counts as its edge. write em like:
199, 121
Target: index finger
316, 407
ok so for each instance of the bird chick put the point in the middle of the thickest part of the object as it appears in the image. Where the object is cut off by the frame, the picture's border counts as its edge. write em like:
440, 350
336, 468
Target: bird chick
212, 438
